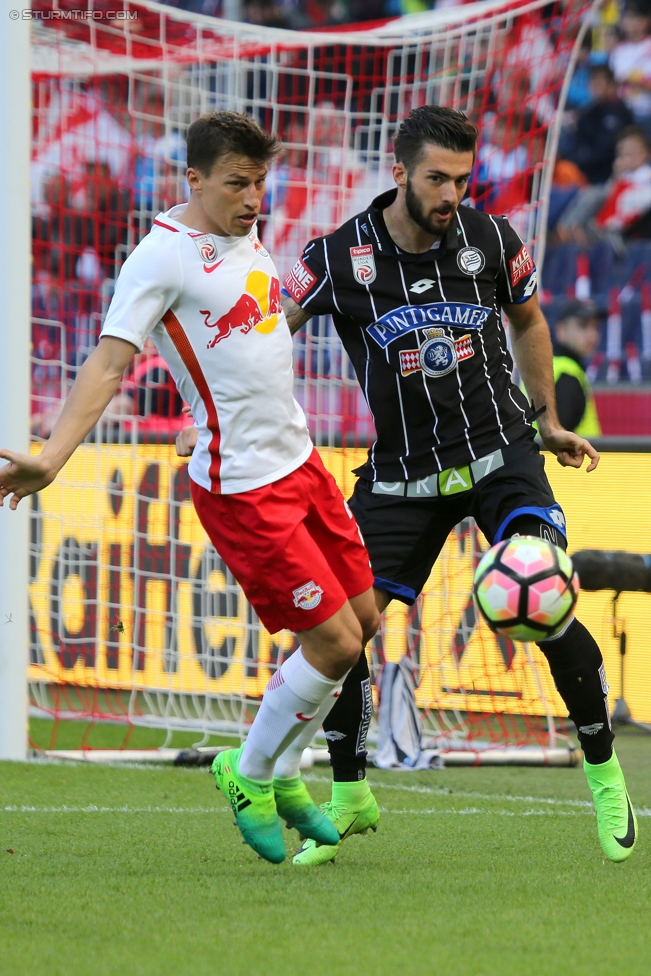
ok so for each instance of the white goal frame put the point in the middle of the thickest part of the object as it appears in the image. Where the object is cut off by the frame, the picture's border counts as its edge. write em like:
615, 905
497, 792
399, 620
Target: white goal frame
15, 100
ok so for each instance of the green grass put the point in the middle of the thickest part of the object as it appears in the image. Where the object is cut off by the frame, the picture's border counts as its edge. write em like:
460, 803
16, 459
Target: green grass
470, 874
45, 734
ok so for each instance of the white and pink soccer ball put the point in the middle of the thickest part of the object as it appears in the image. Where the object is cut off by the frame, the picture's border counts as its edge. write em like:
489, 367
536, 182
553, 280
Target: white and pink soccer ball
525, 588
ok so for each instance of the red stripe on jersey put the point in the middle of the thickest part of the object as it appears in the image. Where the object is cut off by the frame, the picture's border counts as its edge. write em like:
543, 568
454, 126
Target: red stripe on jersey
191, 363
166, 226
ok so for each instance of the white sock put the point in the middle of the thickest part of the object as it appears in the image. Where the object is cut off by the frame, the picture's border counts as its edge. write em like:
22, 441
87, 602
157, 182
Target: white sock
288, 764
291, 698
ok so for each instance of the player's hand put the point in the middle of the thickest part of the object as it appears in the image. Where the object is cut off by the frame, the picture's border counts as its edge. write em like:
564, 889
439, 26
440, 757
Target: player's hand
185, 441
570, 449
24, 475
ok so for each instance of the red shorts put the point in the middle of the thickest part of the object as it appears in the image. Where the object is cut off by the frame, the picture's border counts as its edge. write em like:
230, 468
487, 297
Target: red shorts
293, 546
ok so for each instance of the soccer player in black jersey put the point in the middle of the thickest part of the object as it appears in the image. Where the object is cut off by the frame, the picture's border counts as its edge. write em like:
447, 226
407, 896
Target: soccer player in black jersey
415, 285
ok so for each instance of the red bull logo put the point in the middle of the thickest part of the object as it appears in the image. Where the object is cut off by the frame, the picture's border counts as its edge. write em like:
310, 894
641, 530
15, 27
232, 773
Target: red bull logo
258, 308
308, 596
256, 244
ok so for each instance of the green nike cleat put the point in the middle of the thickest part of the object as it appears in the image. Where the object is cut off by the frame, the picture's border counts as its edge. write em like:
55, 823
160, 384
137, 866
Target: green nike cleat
253, 805
297, 808
352, 810
616, 822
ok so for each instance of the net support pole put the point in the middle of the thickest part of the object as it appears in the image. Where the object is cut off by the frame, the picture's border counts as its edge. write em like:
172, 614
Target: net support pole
15, 275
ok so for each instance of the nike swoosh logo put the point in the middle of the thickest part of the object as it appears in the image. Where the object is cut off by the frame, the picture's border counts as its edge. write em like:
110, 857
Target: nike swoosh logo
208, 268
305, 718
348, 828
629, 839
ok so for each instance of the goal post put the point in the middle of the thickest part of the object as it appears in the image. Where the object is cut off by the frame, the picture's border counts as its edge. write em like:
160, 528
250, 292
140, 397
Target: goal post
15, 138
134, 617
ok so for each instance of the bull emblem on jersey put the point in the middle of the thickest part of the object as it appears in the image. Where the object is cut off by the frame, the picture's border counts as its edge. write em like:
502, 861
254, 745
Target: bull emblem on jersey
258, 308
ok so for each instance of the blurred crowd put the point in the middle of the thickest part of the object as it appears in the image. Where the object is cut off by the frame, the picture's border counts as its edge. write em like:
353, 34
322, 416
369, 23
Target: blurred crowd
88, 213
306, 14
602, 187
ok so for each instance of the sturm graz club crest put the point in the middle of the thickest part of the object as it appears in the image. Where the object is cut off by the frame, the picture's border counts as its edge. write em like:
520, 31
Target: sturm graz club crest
437, 356
471, 260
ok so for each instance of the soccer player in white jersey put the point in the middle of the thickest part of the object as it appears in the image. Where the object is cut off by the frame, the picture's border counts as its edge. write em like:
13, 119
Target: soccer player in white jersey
205, 290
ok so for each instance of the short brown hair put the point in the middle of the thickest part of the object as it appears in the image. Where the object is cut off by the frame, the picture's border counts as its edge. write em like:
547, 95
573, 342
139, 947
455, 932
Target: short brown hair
216, 133
438, 125
632, 132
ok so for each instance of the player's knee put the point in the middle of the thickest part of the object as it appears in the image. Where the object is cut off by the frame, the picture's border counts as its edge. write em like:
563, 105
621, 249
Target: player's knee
350, 647
370, 623
345, 642
367, 614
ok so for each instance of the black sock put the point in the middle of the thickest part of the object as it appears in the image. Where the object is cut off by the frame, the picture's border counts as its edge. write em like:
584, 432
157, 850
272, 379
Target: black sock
346, 726
577, 668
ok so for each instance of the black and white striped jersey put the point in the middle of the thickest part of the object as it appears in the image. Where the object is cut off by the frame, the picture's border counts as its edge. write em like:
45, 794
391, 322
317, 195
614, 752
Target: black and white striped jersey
424, 334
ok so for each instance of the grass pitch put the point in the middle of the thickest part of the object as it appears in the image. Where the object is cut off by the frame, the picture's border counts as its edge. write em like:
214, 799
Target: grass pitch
107, 871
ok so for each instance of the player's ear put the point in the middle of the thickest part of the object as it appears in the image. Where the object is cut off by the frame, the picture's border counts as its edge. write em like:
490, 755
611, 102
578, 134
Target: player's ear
194, 178
399, 172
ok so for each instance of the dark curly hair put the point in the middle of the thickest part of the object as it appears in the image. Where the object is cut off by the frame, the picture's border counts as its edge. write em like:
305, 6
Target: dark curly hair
438, 125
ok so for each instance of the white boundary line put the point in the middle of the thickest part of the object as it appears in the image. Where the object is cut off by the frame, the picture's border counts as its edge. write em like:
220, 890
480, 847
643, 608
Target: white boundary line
432, 811
450, 793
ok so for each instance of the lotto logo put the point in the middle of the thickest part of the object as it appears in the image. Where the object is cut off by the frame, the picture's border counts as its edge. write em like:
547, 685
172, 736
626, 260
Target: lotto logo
520, 265
299, 281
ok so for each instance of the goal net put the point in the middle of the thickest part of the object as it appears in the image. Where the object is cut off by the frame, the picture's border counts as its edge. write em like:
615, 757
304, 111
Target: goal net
134, 617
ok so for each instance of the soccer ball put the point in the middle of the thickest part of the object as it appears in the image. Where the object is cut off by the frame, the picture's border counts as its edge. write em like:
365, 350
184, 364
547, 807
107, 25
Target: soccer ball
525, 588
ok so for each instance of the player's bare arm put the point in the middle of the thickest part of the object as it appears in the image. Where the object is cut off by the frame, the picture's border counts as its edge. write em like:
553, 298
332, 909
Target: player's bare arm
532, 350
295, 315
95, 386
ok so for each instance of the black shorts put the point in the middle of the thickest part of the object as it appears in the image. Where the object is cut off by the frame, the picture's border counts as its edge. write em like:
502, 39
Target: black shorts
405, 525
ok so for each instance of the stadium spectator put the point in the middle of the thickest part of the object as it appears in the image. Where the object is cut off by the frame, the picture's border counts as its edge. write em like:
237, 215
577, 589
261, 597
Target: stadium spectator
597, 126
579, 94
148, 396
499, 161
631, 60
106, 226
627, 207
577, 337
620, 208
57, 232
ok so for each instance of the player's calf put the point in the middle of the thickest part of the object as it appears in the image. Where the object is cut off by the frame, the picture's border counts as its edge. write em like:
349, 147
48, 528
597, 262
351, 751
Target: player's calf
578, 670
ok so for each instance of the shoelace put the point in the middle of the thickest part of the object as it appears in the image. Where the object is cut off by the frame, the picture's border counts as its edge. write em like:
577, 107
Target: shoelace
330, 811
610, 807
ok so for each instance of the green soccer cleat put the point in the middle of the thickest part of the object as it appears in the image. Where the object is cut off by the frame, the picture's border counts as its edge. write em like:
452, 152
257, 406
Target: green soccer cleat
297, 808
352, 810
253, 805
616, 822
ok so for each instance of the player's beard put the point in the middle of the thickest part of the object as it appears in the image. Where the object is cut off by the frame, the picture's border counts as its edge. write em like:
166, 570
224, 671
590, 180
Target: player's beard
432, 225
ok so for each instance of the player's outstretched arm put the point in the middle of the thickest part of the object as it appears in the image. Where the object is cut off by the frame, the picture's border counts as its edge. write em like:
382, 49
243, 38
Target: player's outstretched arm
295, 315
95, 386
532, 349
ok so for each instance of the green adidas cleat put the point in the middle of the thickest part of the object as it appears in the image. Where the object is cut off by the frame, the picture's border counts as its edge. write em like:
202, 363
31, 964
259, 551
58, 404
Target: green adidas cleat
352, 810
253, 805
616, 821
297, 808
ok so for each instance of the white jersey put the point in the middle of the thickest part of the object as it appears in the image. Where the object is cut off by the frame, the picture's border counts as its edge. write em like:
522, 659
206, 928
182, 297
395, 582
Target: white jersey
212, 307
